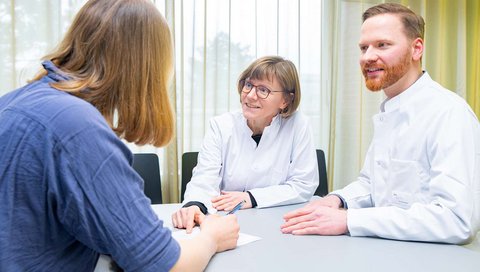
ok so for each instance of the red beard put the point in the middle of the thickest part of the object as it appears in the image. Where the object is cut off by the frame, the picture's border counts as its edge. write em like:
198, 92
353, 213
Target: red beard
390, 74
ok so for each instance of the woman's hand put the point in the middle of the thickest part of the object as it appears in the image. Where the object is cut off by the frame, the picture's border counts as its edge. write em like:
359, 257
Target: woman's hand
218, 233
226, 201
223, 229
187, 218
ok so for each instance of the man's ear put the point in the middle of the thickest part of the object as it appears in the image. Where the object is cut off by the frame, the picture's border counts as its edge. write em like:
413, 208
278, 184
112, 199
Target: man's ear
417, 49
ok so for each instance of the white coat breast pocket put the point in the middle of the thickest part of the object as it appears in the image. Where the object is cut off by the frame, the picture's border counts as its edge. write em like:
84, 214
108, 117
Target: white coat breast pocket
406, 179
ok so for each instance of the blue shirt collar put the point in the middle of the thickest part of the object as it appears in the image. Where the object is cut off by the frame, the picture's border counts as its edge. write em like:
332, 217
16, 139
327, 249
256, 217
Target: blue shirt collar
53, 72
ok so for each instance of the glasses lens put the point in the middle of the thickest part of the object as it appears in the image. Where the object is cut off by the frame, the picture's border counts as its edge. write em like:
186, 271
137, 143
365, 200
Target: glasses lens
247, 86
262, 92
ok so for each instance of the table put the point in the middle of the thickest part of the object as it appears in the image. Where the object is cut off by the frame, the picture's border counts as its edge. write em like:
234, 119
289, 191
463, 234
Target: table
285, 252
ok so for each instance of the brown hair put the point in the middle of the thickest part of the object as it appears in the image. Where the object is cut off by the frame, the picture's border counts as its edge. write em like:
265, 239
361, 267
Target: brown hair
413, 24
284, 71
119, 56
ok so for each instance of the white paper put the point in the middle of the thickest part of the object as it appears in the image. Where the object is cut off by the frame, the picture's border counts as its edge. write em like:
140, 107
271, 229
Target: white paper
243, 238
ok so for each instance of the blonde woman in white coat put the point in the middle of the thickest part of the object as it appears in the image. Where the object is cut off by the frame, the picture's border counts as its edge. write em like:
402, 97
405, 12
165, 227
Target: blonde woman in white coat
263, 155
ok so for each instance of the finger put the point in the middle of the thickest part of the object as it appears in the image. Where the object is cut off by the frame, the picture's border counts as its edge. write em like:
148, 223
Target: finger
221, 204
177, 220
307, 231
180, 216
298, 220
218, 198
220, 208
297, 226
289, 227
190, 220
199, 217
296, 213
184, 216
174, 220
227, 206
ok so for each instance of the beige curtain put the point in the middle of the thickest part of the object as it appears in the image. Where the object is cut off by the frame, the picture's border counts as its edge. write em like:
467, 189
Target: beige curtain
216, 39
472, 19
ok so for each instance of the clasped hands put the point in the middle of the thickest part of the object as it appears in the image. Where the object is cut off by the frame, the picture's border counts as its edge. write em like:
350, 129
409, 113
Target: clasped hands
323, 216
187, 218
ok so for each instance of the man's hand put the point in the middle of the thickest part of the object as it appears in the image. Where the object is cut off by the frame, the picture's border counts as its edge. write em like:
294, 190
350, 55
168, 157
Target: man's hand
322, 216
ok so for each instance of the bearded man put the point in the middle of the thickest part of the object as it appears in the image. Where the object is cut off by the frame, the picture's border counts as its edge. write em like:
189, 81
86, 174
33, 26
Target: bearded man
420, 180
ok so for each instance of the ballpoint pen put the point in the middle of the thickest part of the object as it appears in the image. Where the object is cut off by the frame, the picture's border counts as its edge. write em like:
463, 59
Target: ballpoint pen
237, 207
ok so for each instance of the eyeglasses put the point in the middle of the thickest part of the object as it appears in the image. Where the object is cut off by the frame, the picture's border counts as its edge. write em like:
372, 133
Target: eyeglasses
261, 91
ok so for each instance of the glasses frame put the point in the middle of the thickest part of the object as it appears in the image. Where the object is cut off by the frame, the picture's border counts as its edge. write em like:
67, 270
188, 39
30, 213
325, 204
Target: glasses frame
246, 90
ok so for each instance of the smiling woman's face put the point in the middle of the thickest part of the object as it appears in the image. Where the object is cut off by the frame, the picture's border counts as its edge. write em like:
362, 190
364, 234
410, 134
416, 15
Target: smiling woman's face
261, 110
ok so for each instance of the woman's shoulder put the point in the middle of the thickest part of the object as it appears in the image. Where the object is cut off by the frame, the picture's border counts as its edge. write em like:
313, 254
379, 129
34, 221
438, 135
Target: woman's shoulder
58, 111
228, 118
297, 119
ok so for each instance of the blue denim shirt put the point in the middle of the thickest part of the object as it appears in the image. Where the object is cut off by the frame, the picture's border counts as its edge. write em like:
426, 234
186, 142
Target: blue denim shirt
67, 188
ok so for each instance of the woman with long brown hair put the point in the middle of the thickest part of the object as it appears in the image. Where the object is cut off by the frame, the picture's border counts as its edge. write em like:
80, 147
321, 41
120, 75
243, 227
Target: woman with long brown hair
68, 191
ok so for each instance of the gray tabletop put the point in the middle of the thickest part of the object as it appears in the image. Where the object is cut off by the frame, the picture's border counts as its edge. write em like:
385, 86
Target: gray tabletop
284, 252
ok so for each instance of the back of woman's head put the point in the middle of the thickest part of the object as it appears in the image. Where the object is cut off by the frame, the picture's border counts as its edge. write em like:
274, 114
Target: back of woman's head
284, 71
119, 56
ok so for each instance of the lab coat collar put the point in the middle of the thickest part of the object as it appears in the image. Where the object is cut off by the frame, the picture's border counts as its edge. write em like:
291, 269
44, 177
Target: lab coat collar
272, 128
394, 103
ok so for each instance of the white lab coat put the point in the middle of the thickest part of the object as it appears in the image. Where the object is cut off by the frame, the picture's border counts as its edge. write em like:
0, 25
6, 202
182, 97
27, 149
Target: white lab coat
281, 170
421, 172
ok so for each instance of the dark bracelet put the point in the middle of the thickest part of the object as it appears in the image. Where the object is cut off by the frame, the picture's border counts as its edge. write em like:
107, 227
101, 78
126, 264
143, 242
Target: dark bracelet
199, 204
252, 199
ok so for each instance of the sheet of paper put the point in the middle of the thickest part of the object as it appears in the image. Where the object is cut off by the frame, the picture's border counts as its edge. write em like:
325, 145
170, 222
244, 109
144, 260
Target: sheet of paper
243, 238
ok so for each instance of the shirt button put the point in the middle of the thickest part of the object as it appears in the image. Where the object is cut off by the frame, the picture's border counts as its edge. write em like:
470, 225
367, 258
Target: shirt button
381, 118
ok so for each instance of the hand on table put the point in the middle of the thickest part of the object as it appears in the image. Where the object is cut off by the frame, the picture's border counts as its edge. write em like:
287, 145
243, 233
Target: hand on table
187, 218
322, 216
223, 229
217, 234
226, 201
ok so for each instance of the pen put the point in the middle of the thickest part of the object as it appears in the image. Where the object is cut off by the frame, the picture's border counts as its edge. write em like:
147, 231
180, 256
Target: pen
237, 207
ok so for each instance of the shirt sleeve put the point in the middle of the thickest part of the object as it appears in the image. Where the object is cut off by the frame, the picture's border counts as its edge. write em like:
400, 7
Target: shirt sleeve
206, 177
101, 202
358, 193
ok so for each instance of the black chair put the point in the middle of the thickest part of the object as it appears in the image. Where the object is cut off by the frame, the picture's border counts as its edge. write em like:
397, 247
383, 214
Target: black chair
322, 188
189, 161
148, 167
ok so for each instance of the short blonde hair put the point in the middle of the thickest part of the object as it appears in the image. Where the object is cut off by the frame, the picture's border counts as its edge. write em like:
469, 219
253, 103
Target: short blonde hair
284, 71
119, 56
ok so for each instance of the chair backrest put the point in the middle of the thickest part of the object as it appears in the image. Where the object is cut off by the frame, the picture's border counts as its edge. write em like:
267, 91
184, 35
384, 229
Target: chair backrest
148, 167
189, 161
322, 188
